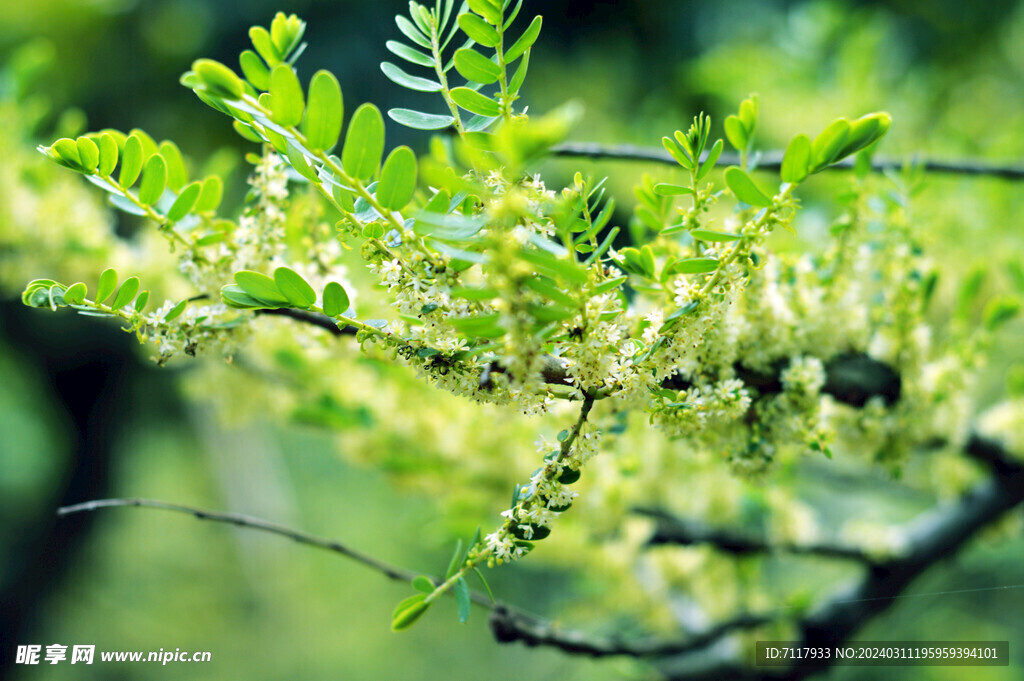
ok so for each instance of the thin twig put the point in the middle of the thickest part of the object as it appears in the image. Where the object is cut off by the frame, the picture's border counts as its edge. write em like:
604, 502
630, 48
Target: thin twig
240, 520
672, 530
772, 160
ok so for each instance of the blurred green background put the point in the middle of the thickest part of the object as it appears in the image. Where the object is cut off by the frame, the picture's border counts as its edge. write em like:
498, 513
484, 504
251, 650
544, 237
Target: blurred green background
83, 414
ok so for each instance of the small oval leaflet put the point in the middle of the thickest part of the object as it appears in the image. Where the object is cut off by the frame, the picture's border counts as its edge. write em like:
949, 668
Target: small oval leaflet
254, 70
298, 292
154, 180
408, 611
335, 299
108, 155
126, 293
525, 41
479, 30
695, 266
218, 79
397, 179
744, 188
364, 143
106, 285
797, 160
88, 153
400, 77
131, 161
185, 202
324, 112
75, 294
474, 102
419, 120
476, 67
260, 286
286, 93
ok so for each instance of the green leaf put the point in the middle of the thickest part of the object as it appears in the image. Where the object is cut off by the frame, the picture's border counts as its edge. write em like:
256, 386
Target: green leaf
140, 302
286, 32
796, 163
106, 285
154, 180
210, 194
487, 587
826, 146
298, 292
409, 54
666, 189
286, 93
487, 9
247, 132
263, 43
75, 294
131, 161
711, 160
298, 160
400, 77
88, 153
462, 599
176, 311
419, 120
177, 176
474, 102
519, 77
744, 188
695, 266
218, 79
261, 287
864, 131
475, 67
397, 179
364, 143
185, 202
525, 41
748, 113
411, 32
736, 132
408, 611
479, 30
236, 297
66, 150
709, 235
254, 70
126, 293
336, 300
424, 584
454, 563
108, 155
675, 152
609, 285
997, 311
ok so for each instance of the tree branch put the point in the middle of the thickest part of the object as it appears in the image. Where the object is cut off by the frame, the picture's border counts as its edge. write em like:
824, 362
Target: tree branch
314, 318
772, 160
672, 530
240, 520
510, 627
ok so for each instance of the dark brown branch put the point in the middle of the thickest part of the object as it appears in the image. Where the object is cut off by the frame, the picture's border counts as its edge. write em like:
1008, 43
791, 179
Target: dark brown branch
314, 318
240, 520
672, 530
510, 627
772, 160
934, 536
